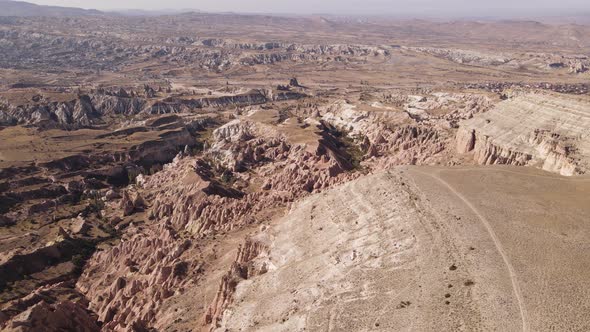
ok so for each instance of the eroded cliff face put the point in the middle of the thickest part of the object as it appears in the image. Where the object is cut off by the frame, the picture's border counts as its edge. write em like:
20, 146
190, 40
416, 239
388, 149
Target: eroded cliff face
150, 265
246, 172
233, 173
98, 106
420, 132
248, 264
542, 130
215, 192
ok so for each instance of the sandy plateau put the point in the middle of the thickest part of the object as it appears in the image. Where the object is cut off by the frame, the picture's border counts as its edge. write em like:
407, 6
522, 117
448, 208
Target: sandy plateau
228, 172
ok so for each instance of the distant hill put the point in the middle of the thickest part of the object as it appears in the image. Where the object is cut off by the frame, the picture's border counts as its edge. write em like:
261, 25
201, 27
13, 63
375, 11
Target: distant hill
20, 8
141, 12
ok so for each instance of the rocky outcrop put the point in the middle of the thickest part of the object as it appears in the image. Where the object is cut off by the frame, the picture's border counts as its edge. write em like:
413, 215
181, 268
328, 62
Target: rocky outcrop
465, 140
197, 196
245, 266
77, 113
393, 138
88, 110
127, 283
60, 316
411, 144
189, 201
464, 56
79, 226
83, 111
253, 97
542, 130
202, 197
579, 66
131, 202
487, 153
574, 66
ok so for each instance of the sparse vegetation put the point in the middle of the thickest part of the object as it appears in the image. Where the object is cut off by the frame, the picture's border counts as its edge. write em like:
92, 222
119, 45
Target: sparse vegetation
278, 205
349, 146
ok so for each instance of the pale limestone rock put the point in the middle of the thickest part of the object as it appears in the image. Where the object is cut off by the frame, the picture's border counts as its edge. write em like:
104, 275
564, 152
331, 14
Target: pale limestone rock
548, 131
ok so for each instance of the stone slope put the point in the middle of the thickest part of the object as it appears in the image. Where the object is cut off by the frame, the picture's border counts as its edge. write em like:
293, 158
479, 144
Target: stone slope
544, 130
196, 197
420, 249
365, 256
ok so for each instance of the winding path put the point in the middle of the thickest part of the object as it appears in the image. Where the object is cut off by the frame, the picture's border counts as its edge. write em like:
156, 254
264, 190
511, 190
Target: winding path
486, 223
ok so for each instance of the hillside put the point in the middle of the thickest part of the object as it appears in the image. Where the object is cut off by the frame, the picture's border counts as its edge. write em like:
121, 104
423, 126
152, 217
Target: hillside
20, 8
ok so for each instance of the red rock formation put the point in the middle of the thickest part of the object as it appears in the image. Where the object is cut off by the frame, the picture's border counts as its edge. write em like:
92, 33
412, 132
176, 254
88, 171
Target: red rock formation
188, 193
152, 261
61, 316
191, 194
128, 282
411, 144
242, 268
131, 203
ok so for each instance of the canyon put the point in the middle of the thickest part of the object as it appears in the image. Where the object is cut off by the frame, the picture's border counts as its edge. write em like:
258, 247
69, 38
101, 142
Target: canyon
243, 172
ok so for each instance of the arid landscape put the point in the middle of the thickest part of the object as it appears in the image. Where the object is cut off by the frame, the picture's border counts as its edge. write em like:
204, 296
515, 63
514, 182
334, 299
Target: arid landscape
246, 172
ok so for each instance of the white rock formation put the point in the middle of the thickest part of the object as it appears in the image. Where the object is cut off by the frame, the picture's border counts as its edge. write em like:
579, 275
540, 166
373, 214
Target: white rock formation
544, 130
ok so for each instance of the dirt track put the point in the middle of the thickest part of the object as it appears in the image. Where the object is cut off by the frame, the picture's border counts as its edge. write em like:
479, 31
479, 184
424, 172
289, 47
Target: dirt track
426, 249
513, 278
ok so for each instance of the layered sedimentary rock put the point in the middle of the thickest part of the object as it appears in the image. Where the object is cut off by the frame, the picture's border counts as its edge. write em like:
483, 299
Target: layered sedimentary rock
244, 267
88, 110
418, 135
203, 196
146, 268
464, 56
544, 130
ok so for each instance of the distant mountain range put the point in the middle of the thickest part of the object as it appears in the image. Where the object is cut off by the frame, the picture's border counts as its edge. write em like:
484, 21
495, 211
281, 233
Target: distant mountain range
20, 8
141, 12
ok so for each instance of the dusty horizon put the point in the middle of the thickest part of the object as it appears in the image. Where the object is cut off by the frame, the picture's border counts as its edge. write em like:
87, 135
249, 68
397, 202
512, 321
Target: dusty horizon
172, 171
428, 8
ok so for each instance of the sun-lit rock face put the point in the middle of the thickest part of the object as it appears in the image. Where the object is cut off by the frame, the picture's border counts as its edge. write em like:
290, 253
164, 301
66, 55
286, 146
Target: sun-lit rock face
182, 172
127, 283
203, 196
418, 134
61, 316
543, 130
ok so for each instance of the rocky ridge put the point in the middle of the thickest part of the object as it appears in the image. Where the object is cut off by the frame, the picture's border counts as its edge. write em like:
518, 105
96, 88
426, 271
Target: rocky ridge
542, 130
203, 196
420, 133
88, 110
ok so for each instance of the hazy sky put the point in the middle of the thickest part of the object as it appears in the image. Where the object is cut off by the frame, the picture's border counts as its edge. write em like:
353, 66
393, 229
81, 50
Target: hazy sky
364, 7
